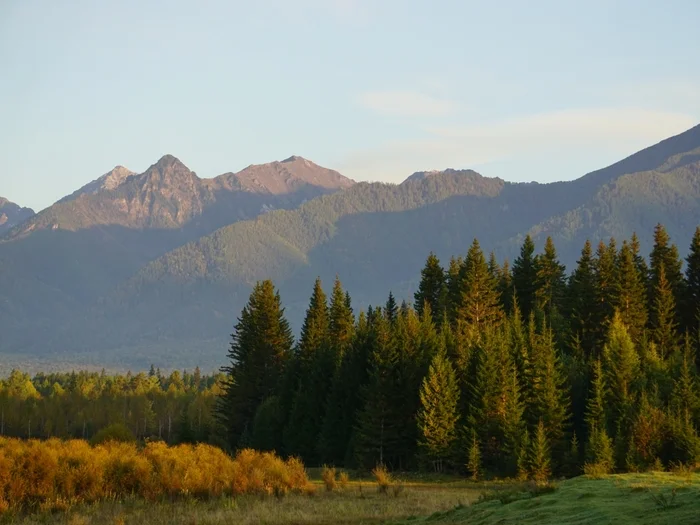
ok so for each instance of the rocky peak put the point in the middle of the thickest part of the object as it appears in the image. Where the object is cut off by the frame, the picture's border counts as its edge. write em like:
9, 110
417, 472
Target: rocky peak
109, 181
12, 214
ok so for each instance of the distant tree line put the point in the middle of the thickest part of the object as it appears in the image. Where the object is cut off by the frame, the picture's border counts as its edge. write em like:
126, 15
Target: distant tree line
498, 369
177, 408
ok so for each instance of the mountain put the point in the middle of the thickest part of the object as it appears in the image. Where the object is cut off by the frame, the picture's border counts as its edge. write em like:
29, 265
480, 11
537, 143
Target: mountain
177, 308
11, 215
57, 264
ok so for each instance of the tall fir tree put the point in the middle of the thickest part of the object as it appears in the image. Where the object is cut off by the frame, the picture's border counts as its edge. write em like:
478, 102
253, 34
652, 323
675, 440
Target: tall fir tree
260, 347
630, 293
525, 276
550, 279
606, 287
479, 305
664, 325
540, 455
505, 287
622, 369
431, 287
582, 301
438, 415
341, 322
391, 310
453, 284
664, 254
316, 366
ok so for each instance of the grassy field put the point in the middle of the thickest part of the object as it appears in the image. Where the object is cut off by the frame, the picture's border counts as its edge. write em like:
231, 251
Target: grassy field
656, 498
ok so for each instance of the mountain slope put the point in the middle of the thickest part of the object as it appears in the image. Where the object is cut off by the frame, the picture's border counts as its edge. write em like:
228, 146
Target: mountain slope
11, 215
177, 308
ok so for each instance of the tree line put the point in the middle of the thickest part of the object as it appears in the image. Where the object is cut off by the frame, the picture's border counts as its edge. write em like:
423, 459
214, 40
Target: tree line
498, 369
176, 408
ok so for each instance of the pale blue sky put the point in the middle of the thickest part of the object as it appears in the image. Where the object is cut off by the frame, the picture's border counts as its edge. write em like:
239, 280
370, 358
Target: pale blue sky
523, 90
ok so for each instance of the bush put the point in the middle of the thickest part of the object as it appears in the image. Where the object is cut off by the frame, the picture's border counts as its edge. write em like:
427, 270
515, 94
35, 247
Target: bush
115, 432
54, 475
383, 478
328, 477
343, 480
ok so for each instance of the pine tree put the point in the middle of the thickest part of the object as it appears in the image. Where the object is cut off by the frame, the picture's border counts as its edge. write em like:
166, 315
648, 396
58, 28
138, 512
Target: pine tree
391, 311
505, 288
685, 398
582, 303
595, 408
630, 294
316, 366
664, 327
437, 417
494, 268
479, 306
549, 280
692, 292
524, 277
474, 458
622, 369
261, 345
540, 455
453, 284
431, 286
341, 322
378, 425
606, 286
666, 256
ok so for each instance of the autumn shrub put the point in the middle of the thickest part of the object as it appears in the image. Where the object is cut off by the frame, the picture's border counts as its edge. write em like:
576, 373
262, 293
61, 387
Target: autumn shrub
383, 478
114, 432
343, 480
328, 477
54, 475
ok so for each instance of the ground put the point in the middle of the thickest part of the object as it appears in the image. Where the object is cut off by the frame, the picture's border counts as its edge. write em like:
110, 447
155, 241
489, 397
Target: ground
654, 498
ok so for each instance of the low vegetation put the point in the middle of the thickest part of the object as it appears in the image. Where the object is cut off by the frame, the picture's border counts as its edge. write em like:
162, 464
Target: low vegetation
57, 475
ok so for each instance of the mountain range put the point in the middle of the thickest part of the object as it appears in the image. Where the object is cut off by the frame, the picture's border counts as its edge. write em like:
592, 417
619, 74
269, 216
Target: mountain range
134, 269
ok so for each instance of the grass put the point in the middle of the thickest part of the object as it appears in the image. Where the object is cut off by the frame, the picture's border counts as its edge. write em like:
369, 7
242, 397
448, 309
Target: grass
655, 498
360, 502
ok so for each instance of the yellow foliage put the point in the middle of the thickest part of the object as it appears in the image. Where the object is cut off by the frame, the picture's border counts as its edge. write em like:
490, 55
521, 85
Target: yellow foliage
55, 474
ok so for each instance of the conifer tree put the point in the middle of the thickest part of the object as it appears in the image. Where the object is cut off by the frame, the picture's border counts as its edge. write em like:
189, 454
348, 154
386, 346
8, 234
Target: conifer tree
505, 287
665, 255
622, 370
453, 284
540, 455
685, 398
523, 457
345, 399
341, 322
494, 268
664, 326
479, 306
391, 311
524, 277
431, 286
316, 366
595, 408
548, 399
261, 345
606, 286
549, 280
437, 417
474, 457
378, 425
630, 294
692, 292
581, 301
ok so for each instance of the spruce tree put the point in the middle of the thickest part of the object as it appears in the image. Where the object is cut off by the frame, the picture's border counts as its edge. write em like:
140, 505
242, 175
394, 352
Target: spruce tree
630, 294
685, 397
453, 284
341, 322
378, 426
581, 302
316, 366
505, 287
430, 289
665, 255
549, 280
540, 455
606, 286
595, 408
391, 311
474, 457
261, 345
479, 305
525, 276
664, 326
692, 292
622, 371
437, 417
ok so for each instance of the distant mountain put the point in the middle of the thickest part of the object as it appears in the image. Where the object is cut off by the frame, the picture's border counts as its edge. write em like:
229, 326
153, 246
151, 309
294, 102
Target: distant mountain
11, 215
57, 264
168, 195
177, 308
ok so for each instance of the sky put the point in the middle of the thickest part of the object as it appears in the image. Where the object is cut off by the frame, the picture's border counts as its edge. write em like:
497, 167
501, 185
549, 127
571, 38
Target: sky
377, 89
